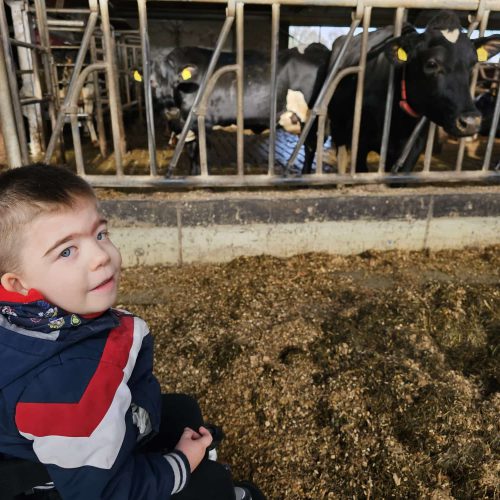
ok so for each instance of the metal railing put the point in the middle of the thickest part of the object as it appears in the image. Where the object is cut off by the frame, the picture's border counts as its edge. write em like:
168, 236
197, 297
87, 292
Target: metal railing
119, 91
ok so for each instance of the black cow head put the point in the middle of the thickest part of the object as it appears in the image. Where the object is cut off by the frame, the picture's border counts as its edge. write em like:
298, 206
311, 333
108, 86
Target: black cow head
171, 78
436, 68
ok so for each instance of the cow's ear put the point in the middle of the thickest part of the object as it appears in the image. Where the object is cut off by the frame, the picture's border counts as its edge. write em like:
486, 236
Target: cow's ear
396, 53
487, 47
187, 73
400, 50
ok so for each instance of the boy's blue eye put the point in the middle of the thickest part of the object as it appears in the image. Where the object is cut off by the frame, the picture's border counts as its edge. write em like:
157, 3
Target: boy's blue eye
102, 235
66, 252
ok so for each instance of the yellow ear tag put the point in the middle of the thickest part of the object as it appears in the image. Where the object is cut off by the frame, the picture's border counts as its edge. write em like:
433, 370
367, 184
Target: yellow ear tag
402, 55
482, 54
137, 76
186, 74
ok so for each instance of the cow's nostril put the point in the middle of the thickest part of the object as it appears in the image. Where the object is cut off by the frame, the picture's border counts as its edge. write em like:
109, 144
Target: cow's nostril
468, 124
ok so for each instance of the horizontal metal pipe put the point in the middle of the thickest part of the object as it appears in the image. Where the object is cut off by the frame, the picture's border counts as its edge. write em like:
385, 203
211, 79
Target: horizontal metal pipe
63, 22
63, 11
388, 4
27, 45
266, 180
33, 100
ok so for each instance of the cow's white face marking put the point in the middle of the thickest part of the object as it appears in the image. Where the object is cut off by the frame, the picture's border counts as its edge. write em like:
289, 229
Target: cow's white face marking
451, 35
296, 107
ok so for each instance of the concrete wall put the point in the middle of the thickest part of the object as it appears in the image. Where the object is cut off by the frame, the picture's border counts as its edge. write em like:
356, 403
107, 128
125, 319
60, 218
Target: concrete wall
219, 227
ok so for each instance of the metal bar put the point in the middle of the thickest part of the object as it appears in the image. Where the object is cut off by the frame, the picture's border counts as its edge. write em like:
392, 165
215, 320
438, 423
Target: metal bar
14, 91
25, 101
409, 144
202, 145
320, 140
275, 24
64, 22
77, 144
138, 95
305, 180
114, 95
26, 45
56, 131
33, 95
202, 111
324, 95
49, 71
429, 146
398, 26
230, 14
240, 88
466, 5
491, 137
72, 110
148, 94
481, 19
101, 130
359, 90
63, 11
7, 119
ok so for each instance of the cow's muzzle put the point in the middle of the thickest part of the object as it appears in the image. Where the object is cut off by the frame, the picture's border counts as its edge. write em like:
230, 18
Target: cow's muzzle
468, 124
172, 113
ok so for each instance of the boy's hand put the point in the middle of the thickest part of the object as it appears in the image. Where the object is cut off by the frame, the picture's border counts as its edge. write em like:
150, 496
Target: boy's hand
194, 444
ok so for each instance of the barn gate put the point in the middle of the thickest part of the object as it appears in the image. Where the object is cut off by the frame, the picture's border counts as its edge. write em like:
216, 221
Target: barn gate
42, 76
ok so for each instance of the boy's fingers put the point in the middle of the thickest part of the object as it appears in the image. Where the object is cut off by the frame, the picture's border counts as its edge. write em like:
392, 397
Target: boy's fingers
206, 435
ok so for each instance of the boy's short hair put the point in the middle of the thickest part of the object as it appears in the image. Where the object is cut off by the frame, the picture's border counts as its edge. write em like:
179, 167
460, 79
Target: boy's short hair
27, 192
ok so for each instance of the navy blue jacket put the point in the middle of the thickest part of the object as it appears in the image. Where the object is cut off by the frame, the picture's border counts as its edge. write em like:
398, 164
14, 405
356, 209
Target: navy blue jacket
66, 390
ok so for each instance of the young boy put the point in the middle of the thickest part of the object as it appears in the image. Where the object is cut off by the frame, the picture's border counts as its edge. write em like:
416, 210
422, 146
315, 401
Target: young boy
77, 392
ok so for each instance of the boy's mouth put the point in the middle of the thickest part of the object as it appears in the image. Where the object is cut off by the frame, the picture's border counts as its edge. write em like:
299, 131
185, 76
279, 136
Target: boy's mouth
107, 283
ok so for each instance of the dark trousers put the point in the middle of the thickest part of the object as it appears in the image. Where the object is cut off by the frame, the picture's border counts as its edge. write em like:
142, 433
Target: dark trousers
210, 480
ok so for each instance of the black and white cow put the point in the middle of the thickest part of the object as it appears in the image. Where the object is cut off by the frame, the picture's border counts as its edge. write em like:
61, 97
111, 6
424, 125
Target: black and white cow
177, 77
432, 78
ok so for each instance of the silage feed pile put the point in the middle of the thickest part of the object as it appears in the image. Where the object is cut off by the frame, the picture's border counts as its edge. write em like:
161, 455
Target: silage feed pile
373, 376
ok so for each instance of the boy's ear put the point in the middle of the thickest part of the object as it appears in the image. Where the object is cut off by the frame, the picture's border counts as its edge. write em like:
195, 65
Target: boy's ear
12, 283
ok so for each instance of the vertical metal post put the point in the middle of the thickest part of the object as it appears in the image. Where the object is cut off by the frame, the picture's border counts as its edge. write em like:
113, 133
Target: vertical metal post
138, 91
481, 19
114, 95
491, 137
148, 95
25, 58
101, 130
320, 143
359, 90
12, 86
240, 89
202, 145
275, 23
7, 119
428, 148
50, 72
398, 26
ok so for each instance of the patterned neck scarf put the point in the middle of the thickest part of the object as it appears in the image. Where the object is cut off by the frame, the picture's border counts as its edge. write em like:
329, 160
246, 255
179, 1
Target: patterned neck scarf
33, 312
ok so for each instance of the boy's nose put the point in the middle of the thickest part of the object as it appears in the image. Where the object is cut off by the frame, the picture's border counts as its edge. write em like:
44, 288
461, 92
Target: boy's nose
100, 257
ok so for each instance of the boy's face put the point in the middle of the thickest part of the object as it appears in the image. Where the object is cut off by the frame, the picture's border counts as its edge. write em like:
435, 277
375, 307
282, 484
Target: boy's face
68, 257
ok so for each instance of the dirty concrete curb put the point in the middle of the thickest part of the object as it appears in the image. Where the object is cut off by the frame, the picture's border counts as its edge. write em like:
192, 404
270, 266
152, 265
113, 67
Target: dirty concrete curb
218, 229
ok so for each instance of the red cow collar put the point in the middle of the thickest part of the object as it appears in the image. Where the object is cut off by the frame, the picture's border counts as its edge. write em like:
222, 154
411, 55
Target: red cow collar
403, 103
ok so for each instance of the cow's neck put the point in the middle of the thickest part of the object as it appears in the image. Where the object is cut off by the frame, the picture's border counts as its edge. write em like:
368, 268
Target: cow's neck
403, 103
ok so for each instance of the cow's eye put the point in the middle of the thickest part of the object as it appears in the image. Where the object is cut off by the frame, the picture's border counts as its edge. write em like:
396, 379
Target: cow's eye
431, 65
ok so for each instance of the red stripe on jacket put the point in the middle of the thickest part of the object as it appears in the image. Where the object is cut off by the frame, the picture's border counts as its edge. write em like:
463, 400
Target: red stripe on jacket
81, 419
